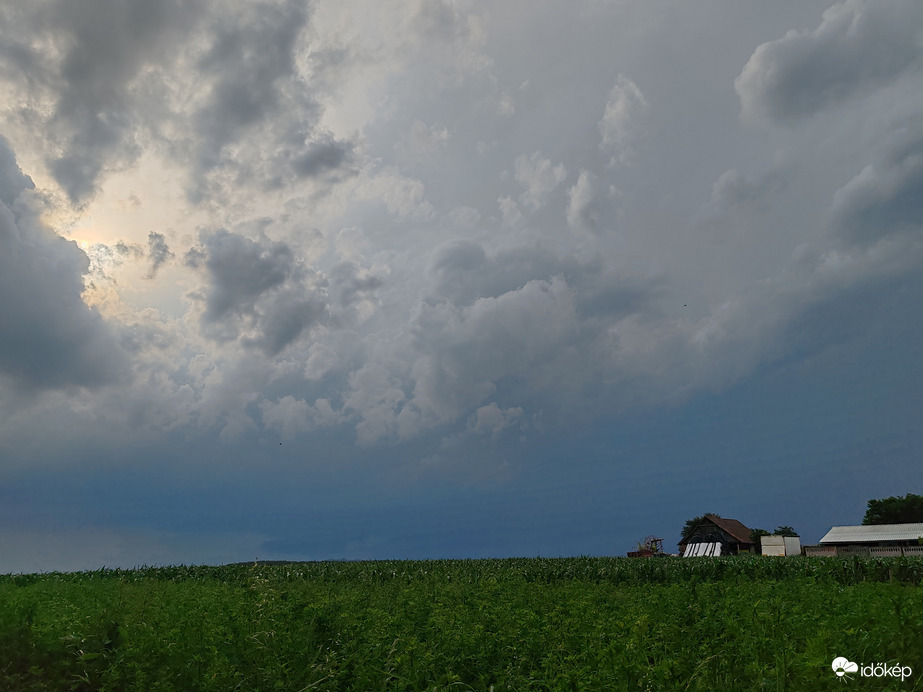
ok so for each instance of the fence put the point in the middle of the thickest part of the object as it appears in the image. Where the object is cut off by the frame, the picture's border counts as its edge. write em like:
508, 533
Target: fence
862, 551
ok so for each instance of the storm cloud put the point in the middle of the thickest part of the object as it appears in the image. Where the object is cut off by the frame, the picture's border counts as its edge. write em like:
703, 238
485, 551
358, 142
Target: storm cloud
99, 88
886, 197
217, 87
51, 338
536, 255
860, 45
256, 291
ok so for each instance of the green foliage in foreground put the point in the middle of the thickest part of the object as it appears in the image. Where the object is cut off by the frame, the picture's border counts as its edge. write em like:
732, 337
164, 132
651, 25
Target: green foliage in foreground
744, 623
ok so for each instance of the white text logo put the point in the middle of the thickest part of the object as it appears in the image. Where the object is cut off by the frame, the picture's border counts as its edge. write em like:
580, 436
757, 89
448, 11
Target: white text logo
844, 668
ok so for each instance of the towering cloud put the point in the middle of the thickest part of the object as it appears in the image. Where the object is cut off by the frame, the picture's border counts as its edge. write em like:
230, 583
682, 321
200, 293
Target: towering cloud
620, 122
859, 45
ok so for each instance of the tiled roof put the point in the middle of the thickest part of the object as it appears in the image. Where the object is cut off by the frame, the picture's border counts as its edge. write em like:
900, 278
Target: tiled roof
730, 526
733, 527
872, 533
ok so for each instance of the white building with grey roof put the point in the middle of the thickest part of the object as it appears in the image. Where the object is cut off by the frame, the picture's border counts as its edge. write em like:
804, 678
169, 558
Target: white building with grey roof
881, 540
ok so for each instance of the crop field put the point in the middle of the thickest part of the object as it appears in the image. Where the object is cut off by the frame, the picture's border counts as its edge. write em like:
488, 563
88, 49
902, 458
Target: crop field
738, 623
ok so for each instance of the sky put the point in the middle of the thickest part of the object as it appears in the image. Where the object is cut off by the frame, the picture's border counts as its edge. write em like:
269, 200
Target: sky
355, 279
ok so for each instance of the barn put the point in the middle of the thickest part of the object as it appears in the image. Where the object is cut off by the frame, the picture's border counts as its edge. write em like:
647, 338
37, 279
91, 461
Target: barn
716, 535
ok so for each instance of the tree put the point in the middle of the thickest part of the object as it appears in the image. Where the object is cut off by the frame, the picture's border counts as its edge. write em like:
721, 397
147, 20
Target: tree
785, 531
895, 510
756, 534
690, 525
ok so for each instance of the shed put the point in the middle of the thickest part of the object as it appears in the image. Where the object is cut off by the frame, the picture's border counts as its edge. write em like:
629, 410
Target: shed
780, 545
732, 536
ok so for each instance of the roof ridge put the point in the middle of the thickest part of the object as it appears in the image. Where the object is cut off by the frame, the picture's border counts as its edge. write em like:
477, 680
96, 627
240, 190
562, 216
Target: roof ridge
732, 527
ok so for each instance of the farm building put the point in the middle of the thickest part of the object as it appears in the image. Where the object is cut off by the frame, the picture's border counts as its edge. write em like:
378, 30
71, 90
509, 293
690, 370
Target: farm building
716, 535
876, 539
780, 545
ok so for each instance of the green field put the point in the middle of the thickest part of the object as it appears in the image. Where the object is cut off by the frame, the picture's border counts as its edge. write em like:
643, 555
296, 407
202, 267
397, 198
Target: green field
739, 623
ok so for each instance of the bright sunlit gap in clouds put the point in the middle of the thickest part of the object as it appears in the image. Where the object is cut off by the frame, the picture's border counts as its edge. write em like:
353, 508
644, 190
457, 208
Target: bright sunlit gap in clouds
438, 279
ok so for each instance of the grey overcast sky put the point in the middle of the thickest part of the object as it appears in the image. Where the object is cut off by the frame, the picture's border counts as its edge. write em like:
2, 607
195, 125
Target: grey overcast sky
450, 278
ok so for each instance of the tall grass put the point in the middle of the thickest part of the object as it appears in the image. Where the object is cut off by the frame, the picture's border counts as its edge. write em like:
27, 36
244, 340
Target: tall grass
544, 624
612, 570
